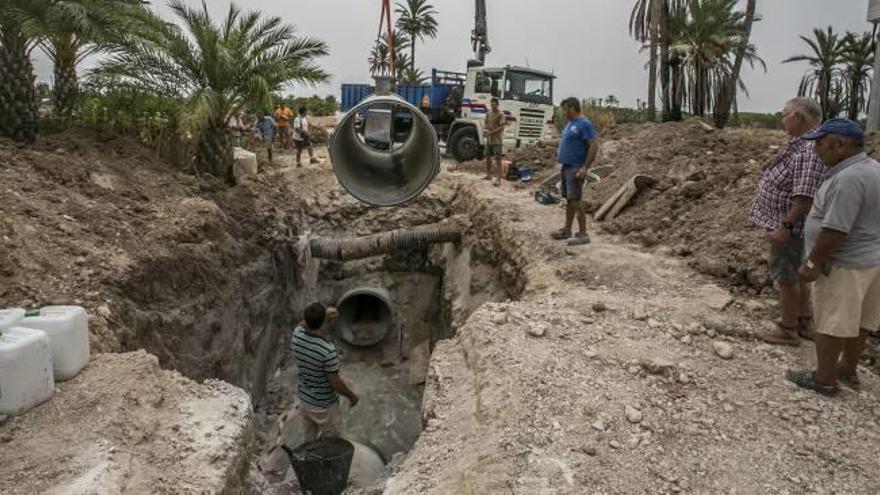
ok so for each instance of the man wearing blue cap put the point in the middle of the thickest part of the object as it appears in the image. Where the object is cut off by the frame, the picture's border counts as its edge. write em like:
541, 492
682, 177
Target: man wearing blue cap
843, 262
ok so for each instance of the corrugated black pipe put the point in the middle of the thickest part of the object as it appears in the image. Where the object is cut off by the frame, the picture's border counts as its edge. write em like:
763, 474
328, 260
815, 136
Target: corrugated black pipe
384, 243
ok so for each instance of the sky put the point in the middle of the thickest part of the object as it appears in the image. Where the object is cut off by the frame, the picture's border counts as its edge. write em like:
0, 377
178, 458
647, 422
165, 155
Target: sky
584, 42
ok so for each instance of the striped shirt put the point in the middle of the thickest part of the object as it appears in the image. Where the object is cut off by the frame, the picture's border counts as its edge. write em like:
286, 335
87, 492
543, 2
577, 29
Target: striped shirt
315, 358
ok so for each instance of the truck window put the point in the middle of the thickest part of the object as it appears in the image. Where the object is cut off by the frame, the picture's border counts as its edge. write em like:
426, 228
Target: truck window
489, 82
531, 88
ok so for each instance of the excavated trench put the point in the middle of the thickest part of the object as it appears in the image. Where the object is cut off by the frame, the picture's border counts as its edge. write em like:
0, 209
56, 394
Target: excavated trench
210, 311
393, 309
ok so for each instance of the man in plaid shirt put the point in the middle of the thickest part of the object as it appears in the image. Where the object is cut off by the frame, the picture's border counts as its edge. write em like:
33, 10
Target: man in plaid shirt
784, 197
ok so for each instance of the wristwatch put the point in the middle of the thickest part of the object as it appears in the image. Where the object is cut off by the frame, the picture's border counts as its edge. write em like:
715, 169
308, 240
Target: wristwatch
788, 225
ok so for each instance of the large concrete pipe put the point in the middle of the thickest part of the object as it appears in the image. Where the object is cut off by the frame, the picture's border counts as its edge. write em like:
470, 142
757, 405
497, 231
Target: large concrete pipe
372, 167
365, 316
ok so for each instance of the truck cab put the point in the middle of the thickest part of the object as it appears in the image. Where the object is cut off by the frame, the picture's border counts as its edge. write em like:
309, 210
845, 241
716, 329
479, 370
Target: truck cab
525, 97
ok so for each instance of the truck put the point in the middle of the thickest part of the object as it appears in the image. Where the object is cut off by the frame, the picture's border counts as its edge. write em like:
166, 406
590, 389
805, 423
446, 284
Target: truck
456, 104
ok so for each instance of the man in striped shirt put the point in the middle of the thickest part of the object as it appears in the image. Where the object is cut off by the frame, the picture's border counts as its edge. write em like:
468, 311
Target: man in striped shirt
318, 382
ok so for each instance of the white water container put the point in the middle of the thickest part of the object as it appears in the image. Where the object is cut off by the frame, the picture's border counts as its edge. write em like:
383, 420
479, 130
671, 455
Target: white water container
10, 317
68, 331
25, 369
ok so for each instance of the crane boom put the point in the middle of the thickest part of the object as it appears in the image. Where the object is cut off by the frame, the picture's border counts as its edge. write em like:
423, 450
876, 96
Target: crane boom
480, 34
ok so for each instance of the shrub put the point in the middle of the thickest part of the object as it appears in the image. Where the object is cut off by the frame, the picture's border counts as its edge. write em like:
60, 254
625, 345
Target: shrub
316, 105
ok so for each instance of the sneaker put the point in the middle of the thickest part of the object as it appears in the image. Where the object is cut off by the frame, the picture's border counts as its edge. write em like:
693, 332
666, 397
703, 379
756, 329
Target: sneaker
314, 161
806, 379
561, 235
850, 380
579, 239
496, 182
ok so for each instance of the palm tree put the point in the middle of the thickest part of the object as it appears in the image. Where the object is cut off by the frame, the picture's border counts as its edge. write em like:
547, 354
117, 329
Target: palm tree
819, 80
857, 58
417, 20
649, 24
706, 41
216, 69
69, 39
18, 38
380, 63
410, 77
727, 90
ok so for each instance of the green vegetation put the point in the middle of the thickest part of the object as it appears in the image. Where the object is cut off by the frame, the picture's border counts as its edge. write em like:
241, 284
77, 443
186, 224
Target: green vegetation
840, 71
316, 105
216, 69
698, 46
417, 19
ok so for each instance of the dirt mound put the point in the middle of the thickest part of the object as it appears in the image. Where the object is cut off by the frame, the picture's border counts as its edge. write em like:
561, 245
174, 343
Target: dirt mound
125, 425
155, 254
705, 182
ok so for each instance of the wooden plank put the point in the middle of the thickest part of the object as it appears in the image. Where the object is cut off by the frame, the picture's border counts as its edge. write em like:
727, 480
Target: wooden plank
610, 202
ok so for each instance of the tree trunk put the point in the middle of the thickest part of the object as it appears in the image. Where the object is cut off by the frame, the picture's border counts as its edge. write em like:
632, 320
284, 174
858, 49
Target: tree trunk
412, 55
675, 113
652, 81
214, 153
662, 15
18, 97
66, 90
727, 91
855, 82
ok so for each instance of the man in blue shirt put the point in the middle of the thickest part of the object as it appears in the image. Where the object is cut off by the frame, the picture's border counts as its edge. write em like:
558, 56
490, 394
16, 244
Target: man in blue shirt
578, 148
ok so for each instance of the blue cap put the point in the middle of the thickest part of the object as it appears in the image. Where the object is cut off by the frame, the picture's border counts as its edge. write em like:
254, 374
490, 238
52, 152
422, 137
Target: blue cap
840, 127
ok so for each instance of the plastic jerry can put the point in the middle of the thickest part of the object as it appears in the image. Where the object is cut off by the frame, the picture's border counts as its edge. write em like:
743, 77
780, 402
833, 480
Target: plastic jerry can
68, 331
25, 369
10, 317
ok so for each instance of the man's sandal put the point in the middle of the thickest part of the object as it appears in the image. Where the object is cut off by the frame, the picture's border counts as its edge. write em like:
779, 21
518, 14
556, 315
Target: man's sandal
806, 328
850, 380
782, 335
561, 235
806, 379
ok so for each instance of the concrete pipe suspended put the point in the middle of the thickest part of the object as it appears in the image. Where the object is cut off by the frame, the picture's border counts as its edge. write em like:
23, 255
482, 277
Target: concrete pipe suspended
365, 316
384, 151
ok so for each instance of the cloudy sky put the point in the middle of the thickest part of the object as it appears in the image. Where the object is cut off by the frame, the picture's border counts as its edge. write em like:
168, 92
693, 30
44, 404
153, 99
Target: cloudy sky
584, 42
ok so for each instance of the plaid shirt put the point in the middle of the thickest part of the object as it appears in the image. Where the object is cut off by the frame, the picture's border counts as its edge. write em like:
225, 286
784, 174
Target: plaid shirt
795, 171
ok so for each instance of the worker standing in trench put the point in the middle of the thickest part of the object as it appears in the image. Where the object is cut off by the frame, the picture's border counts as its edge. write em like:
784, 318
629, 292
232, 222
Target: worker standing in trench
318, 388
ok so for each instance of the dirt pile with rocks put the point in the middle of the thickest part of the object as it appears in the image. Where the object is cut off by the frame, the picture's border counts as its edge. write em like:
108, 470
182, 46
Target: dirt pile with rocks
705, 181
124, 425
160, 258
624, 371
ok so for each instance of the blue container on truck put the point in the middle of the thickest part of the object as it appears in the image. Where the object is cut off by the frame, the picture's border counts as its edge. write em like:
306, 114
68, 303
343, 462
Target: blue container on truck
437, 91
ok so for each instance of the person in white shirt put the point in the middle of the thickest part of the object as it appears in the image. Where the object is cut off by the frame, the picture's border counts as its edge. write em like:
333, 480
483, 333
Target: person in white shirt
301, 138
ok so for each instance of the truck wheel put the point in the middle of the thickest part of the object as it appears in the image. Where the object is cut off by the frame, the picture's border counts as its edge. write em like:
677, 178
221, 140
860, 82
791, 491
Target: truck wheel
465, 144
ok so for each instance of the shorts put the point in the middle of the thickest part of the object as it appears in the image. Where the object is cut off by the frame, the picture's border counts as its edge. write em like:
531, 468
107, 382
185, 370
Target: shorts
267, 140
495, 150
320, 422
302, 144
572, 187
847, 300
785, 261
300, 424
284, 131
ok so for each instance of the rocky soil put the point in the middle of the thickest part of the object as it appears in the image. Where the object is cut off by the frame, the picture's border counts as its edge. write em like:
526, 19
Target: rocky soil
179, 265
124, 425
621, 371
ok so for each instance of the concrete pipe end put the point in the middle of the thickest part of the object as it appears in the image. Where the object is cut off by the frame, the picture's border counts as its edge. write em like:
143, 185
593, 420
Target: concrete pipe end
366, 317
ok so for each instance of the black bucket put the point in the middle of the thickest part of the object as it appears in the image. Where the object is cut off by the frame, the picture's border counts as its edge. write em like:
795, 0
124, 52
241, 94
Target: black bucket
322, 465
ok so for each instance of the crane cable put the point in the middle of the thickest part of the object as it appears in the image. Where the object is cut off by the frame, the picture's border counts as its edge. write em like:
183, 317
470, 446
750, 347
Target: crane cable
385, 16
